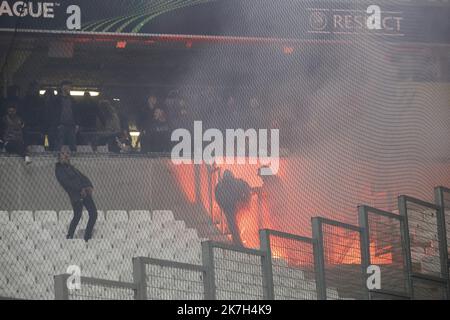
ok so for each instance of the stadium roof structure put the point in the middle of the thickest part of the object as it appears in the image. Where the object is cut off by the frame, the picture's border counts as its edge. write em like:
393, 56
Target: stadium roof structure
234, 20
156, 41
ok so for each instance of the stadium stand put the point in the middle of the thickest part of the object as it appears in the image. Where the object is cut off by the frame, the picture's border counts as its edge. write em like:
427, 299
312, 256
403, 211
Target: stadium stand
34, 247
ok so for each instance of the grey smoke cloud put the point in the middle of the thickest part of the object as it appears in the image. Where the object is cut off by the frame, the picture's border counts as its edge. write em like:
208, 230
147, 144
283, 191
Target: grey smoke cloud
364, 119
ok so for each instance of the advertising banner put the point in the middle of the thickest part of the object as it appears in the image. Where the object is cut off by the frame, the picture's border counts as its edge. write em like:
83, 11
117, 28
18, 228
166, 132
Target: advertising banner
285, 19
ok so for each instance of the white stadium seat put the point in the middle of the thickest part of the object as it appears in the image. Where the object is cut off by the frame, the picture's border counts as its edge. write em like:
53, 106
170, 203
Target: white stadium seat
28, 228
61, 255
4, 248
187, 255
65, 216
151, 243
139, 216
150, 226
110, 254
22, 244
51, 224
57, 231
174, 224
36, 149
100, 216
16, 235
74, 244
42, 266
102, 149
24, 256
38, 235
47, 244
22, 217
138, 235
116, 216
7, 233
167, 233
4, 216
11, 290
16, 272
45, 216
3, 280
128, 254
162, 215
89, 254
84, 149
123, 244
186, 235
107, 232
99, 244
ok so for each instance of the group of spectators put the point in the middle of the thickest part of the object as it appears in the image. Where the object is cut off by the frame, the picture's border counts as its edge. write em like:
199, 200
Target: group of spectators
64, 120
221, 110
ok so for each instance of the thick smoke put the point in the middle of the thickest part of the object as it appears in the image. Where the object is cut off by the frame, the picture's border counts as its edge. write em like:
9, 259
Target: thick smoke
364, 120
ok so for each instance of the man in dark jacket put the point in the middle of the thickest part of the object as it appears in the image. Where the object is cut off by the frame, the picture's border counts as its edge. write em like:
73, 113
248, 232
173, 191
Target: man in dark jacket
33, 114
232, 194
79, 188
64, 119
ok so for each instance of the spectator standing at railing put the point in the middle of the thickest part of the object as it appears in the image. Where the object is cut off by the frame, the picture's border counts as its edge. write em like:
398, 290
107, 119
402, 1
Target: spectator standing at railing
88, 111
33, 113
79, 188
12, 134
182, 116
64, 119
157, 136
108, 124
146, 121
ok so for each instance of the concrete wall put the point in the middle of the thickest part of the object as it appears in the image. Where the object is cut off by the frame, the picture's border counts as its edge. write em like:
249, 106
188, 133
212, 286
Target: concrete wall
309, 186
119, 183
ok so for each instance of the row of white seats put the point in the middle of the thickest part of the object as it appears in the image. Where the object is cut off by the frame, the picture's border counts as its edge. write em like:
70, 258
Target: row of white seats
99, 250
35, 247
175, 235
43, 216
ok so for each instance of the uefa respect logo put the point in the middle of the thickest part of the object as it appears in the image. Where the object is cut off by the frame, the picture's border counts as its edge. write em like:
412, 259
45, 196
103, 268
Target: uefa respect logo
235, 146
372, 20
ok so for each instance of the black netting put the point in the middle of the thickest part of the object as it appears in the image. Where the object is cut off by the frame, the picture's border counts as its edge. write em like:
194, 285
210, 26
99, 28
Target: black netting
428, 290
238, 275
342, 263
293, 269
388, 252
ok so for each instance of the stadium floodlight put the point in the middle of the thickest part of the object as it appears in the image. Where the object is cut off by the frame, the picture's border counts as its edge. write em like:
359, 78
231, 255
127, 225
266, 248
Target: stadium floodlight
42, 92
80, 93
74, 93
